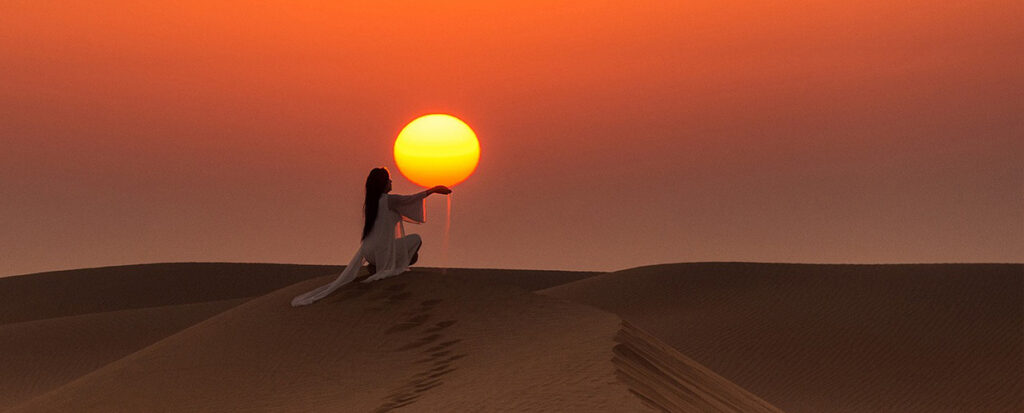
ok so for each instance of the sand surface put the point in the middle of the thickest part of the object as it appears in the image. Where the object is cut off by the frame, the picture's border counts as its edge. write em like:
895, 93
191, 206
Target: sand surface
418, 339
531, 280
422, 341
91, 290
58, 326
836, 338
678, 337
41, 355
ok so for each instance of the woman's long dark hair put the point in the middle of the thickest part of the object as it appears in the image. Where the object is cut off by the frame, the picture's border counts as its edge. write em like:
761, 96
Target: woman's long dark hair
376, 184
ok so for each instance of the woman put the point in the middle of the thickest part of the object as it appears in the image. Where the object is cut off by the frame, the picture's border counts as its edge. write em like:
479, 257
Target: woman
387, 255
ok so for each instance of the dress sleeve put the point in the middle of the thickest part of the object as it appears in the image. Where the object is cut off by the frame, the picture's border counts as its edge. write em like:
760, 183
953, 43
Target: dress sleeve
410, 207
346, 276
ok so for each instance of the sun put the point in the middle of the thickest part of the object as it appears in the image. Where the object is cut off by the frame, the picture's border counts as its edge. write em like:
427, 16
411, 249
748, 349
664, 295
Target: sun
437, 149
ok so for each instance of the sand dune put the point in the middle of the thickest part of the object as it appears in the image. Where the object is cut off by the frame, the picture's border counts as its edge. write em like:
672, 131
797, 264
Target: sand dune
530, 280
41, 355
424, 340
802, 337
91, 290
58, 326
673, 382
836, 338
64, 293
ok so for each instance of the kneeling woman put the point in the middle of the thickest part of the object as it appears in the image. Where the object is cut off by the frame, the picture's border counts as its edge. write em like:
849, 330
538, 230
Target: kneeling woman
387, 255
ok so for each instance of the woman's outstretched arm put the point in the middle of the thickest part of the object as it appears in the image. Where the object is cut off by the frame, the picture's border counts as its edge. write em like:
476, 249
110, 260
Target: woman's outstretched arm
411, 207
395, 201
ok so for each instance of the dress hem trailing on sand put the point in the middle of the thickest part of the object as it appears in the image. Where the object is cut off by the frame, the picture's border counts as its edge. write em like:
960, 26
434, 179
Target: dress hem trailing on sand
391, 253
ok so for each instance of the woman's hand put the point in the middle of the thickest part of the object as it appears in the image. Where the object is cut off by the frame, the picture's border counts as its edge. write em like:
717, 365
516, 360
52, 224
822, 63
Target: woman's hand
441, 189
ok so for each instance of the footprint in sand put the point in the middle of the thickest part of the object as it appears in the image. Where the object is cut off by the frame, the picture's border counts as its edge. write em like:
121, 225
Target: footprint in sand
408, 324
385, 296
439, 360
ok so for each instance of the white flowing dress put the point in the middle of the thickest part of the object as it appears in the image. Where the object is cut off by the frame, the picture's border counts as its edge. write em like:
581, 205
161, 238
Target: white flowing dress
382, 247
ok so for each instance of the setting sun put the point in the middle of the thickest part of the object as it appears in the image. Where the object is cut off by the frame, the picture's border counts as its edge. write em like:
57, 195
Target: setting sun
436, 149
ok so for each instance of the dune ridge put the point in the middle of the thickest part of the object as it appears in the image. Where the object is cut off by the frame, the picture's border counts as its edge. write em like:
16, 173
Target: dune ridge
672, 382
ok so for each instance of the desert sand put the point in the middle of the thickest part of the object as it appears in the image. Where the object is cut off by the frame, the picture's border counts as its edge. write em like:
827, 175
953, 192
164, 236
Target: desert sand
90, 290
681, 337
41, 355
423, 340
836, 338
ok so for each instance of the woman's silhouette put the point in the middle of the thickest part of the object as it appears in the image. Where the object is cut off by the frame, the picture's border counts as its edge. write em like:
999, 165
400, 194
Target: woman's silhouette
386, 253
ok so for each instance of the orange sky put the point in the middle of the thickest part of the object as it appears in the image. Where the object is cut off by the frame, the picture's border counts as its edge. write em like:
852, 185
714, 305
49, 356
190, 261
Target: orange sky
613, 134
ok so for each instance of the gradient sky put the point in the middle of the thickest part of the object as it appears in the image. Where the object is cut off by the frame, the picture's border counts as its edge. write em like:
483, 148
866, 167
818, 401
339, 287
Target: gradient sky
613, 134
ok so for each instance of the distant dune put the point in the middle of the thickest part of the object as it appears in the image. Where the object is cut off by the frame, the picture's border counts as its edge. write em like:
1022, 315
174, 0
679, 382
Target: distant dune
817, 338
38, 356
63, 293
530, 280
71, 292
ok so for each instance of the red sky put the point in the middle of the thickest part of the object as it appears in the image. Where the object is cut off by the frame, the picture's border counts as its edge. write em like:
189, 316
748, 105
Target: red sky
613, 134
